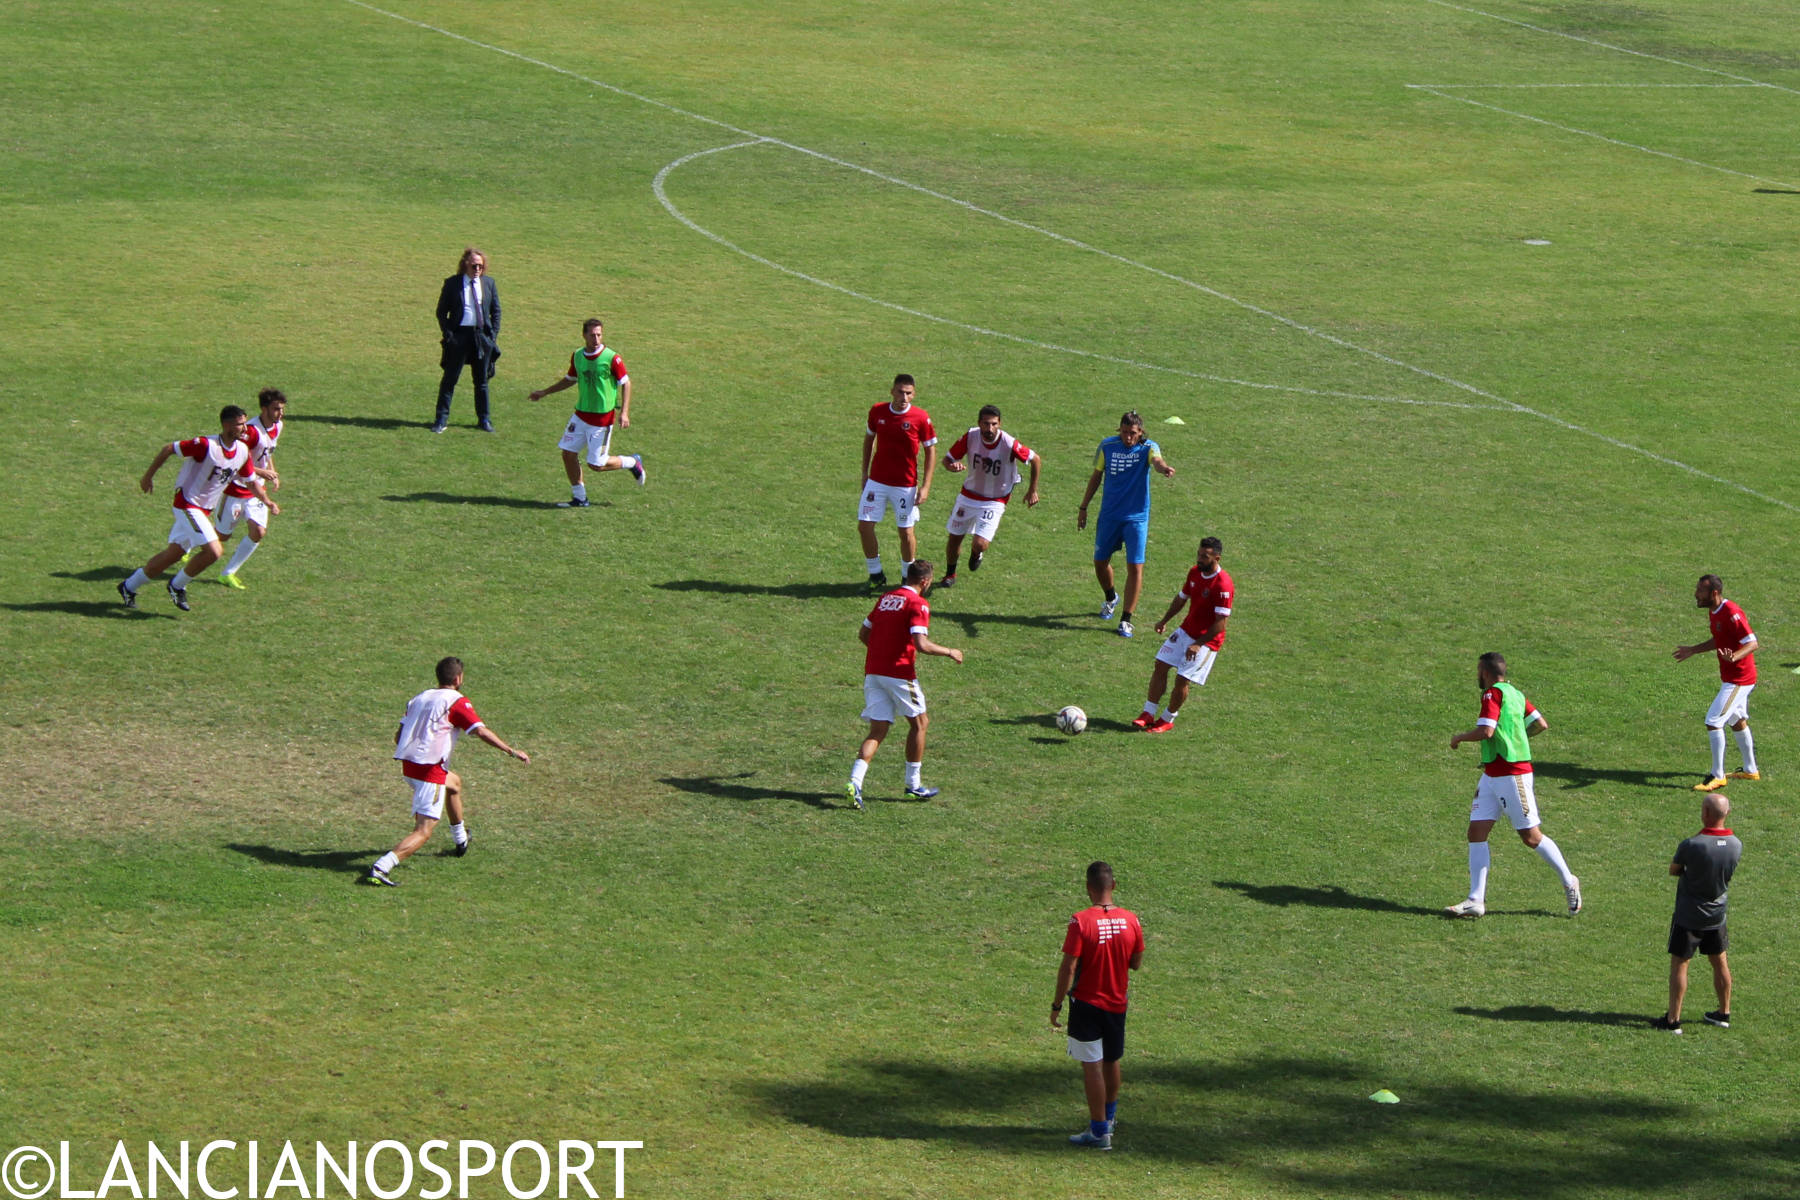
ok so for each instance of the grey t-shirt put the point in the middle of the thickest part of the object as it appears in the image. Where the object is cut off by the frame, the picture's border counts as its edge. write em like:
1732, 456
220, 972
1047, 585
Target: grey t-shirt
1707, 860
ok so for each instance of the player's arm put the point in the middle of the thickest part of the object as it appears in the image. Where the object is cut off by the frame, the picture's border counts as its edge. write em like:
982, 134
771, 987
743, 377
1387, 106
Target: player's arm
868, 449
1092, 487
1031, 492
261, 493
952, 461
862, 634
1162, 468
1747, 646
269, 475
1683, 653
1212, 631
562, 384
493, 739
925, 645
625, 403
162, 456
1675, 868
1065, 979
1175, 606
1483, 730
925, 482
1535, 723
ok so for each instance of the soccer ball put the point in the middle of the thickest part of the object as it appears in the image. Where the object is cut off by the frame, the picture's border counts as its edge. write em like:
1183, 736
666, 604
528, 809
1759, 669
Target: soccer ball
1071, 720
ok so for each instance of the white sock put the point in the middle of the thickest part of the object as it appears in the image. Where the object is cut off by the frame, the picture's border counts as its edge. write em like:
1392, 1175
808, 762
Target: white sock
1170, 714
874, 564
1747, 748
578, 491
630, 461
182, 579
458, 834
1550, 853
137, 580
905, 569
913, 770
386, 862
1717, 738
1479, 858
1150, 708
859, 770
240, 556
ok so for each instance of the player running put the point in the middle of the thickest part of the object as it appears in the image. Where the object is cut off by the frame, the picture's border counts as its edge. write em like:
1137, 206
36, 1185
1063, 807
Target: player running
1505, 718
894, 632
210, 463
605, 397
261, 435
993, 466
1193, 647
1735, 645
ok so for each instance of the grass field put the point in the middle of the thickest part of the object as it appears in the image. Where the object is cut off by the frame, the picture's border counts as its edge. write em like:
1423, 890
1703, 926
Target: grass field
1480, 321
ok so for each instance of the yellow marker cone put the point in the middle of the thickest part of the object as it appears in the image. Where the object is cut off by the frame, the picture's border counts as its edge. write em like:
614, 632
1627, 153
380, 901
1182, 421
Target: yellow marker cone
1173, 421
1385, 1097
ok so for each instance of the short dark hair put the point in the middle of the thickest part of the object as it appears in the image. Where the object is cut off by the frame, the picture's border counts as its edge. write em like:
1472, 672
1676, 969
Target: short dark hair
592, 323
231, 412
1132, 418
1712, 583
988, 410
1494, 663
1100, 875
270, 396
920, 570
903, 377
449, 670
1212, 543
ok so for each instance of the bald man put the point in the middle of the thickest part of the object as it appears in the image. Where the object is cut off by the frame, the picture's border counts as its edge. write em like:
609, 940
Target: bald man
1704, 863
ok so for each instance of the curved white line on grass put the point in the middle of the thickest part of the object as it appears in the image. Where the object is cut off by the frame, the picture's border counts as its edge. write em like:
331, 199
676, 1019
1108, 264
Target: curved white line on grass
662, 195
1601, 137
1069, 241
1575, 37
1453, 87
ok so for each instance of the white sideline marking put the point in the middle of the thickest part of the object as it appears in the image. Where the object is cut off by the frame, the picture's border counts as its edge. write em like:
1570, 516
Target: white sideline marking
656, 185
1287, 321
1575, 37
1467, 86
1692, 162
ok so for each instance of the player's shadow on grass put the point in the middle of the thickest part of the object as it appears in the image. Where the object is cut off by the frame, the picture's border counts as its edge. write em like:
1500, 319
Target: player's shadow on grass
1287, 895
971, 623
1579, 775
356, 422
793, 591
1544, 1013
1296, 1125
111, 609
1048, 721
486, 501
348, 862
95, 574
722, 787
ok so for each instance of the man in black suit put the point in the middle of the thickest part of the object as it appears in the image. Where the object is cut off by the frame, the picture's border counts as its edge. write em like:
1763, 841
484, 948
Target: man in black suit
468, 316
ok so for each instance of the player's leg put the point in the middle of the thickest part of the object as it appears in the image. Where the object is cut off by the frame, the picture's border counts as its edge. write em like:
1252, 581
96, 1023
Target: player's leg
453, 808
952, 555
1103, 572
1718, 716
869, 511
1721, 984
422, 831
1108, 538
1110, 1074
1135, 537
1518, 799
1678, 983
1094, 1083
1484, 810
981, 548
1159, 679
909, 546
1134, 587
1177, 697
1745, 743
916, 725
253, 536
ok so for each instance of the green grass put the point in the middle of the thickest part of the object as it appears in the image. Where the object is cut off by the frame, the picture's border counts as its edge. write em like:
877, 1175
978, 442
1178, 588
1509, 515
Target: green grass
669, 928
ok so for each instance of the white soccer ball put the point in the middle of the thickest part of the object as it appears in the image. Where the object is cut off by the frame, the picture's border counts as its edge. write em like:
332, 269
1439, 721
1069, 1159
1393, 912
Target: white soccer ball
1071, 720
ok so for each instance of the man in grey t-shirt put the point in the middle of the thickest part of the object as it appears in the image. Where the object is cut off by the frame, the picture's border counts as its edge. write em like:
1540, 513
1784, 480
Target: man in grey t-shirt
1704, 863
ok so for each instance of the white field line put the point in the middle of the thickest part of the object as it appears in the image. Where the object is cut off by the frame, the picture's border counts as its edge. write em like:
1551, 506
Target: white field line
1173, 278
1575, 37
1601, 137
662, 196
1451, 87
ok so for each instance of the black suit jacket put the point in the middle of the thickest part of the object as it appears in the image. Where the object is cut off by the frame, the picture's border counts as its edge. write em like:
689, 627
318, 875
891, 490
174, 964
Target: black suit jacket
487, 327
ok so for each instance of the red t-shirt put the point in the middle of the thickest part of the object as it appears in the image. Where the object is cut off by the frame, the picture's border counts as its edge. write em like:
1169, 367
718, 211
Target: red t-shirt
1491, 700
1731, 629
891, 624
1104, 939
898, 439
1207, 598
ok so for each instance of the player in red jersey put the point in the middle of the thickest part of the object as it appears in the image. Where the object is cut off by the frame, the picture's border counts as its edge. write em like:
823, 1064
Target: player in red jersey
895, 634
897, 431
210, 463
1193, 647
993, 465
435, 720
1735, 645
262, 435
1103, 946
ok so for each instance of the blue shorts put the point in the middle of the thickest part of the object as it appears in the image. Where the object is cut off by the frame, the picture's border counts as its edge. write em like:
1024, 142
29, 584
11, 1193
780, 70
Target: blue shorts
1110, 535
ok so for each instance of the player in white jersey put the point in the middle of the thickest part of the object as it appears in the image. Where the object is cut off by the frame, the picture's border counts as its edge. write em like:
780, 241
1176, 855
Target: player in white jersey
993, 468
210, 463
261, 435
435, 721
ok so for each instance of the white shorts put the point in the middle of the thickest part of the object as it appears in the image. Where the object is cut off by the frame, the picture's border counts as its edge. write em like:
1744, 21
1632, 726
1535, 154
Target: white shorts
596, 440
427, 798
1173, 651
192, 529
1730, 706
1092, 1051
877, 498
248, 507
980, 517
886, 698
1514, 795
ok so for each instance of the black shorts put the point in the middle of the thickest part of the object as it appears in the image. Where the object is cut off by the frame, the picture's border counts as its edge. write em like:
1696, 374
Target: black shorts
1090, 1024
1682, 944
